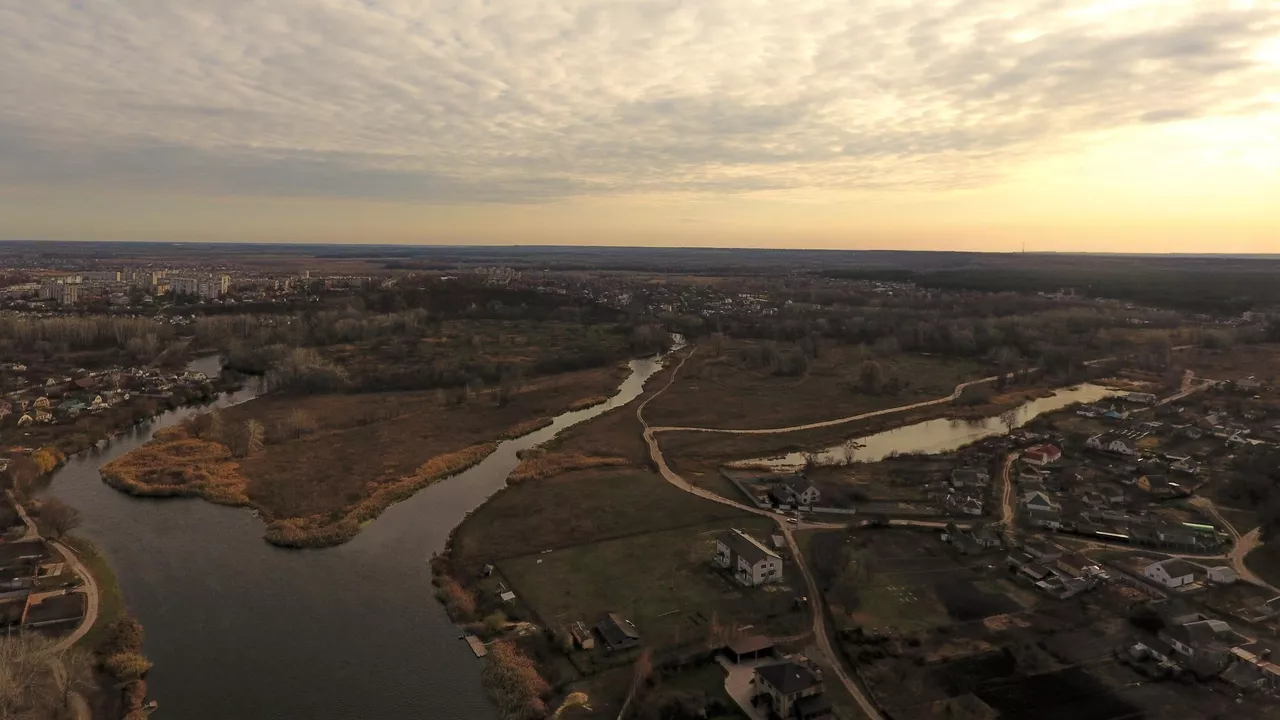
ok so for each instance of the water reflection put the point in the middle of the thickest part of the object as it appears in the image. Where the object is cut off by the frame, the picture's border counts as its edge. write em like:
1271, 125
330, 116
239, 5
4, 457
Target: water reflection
943, 434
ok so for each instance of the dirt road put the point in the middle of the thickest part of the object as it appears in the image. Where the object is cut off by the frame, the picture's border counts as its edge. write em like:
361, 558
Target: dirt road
1008, 513
91, 597
819, 622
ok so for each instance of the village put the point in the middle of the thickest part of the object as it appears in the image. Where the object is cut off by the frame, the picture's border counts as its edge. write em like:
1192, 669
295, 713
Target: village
29, 399
41, 587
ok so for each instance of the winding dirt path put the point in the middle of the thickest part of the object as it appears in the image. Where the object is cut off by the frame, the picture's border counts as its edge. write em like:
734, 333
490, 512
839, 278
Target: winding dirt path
90, 593
819, 617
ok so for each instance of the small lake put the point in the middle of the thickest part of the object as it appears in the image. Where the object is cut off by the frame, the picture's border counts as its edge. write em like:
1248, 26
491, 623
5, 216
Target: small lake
239, 629
944, 434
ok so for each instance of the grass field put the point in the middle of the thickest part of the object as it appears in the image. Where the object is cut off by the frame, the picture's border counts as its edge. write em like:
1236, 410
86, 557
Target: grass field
579, 508
721, 391
661, 581
110, 600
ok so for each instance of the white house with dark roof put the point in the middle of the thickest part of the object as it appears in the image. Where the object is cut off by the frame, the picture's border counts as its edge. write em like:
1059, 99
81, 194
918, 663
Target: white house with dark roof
1172, 573
751, 561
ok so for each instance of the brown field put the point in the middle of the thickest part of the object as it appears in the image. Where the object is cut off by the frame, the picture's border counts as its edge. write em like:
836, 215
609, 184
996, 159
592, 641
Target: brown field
1261, 361
363, 453
721, 391
575, 509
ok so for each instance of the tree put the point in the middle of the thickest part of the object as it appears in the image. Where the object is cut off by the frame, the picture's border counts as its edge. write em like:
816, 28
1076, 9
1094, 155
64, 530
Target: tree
59, 517
870, 376
495, 623
76, 675
26, 676
254, 435
1009, 418
849, 450
127, 666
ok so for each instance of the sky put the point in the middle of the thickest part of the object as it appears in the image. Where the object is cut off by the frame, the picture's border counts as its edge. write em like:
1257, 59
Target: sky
1087, 125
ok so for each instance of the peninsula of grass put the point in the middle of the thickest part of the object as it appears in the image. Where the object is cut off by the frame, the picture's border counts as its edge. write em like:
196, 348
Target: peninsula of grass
316, 467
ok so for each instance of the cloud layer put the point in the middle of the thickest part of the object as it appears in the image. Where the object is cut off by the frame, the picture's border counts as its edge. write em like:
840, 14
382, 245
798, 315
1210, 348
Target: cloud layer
528, 100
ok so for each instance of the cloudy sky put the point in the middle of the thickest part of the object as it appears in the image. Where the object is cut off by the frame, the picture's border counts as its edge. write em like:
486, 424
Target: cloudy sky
1110, 125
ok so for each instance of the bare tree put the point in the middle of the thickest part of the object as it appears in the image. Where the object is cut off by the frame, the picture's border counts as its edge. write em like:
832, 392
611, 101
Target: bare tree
75, 674
27, 687
58, 517
849, 450
254, 435
1009, 418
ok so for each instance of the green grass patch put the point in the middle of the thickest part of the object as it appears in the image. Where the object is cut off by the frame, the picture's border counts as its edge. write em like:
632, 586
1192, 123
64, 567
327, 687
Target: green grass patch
110, 600
908, 608
663, 582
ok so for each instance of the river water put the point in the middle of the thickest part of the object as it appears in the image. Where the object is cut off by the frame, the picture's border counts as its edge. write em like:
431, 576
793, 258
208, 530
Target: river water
943, 434
242, 630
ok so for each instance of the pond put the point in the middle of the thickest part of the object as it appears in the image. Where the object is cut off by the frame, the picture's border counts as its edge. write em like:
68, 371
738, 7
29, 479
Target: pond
943, 434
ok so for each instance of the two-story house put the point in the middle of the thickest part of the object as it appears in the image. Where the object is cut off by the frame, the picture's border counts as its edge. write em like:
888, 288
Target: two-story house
791, 690
751, 562
796, 490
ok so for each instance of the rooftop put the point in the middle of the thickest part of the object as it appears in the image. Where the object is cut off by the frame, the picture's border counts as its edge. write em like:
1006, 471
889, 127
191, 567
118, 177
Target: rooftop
787, 678
746, 546
1177, 567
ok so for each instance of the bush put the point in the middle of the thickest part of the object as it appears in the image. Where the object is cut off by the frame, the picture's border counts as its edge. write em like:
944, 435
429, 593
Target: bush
127, 666
514, 683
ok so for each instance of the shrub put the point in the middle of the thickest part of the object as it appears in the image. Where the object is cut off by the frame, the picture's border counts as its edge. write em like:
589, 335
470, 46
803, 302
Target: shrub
127, 666
514, 683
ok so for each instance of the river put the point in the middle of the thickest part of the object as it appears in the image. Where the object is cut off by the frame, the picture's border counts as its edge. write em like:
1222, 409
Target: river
242, 630
943, 434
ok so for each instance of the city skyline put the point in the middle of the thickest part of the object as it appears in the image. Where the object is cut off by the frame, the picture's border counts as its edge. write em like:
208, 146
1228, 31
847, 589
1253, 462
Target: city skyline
1115, 126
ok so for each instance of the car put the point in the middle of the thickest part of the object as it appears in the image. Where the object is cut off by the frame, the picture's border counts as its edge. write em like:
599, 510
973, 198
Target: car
793, 521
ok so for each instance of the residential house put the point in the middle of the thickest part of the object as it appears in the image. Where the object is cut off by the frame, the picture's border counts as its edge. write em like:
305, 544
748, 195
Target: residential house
969, 478
1047, 519
1077, 565
987, 538
971, 506
1172, 573
1185, 465
1250, 383
1035, 571
1041, 455
5, 410
1029, 474
1222, 574
26, 420
1038, 500
750, 561
1162, 486
1110, 443
1211, 638
795, 489
1042, 551
1141, 398
617, 632
41, 415
783, 686
41, 403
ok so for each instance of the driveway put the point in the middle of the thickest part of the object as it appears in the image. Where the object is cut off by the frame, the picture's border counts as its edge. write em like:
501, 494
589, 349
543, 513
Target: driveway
738, 683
